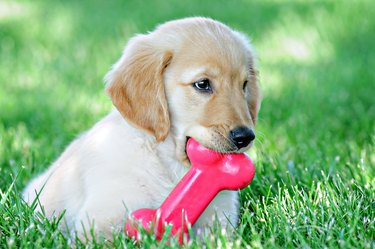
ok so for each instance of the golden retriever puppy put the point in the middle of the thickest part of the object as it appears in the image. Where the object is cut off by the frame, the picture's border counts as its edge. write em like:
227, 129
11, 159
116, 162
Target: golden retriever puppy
193, 77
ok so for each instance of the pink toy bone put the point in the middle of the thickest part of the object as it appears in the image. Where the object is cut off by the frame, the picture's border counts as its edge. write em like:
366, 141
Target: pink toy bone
210, 173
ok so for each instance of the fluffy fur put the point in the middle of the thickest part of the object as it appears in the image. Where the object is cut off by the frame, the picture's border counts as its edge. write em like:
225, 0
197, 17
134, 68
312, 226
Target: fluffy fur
135, 155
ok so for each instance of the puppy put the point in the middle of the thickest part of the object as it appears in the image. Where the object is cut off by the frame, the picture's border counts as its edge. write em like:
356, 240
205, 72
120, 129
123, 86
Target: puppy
193, 77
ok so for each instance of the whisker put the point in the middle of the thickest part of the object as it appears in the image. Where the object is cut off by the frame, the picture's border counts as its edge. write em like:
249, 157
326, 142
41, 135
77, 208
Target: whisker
227, 139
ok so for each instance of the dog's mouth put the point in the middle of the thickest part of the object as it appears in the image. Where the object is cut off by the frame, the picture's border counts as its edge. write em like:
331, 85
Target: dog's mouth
220, 149
186, 141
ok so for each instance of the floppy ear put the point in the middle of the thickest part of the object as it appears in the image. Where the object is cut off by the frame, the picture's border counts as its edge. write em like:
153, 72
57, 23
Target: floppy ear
255, 95
254, 99
135, 84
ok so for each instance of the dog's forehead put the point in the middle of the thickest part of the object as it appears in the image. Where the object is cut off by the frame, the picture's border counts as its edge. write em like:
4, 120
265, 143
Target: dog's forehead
224, 48
210, 58
212, 62
212, 71
204, 47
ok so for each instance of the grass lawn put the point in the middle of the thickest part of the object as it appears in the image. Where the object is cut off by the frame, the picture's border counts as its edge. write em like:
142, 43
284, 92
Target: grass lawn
315, 149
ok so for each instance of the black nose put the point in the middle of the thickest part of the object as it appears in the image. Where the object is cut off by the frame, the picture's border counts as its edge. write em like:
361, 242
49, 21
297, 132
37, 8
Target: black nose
242, 136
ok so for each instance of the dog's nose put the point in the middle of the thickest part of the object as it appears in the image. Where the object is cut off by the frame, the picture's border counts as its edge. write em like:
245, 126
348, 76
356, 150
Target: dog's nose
242, 136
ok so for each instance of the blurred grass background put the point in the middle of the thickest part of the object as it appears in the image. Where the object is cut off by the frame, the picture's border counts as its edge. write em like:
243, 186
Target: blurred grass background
315, 152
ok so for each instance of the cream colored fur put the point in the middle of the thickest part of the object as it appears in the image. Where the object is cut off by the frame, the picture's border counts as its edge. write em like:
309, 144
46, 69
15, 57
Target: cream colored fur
135, 155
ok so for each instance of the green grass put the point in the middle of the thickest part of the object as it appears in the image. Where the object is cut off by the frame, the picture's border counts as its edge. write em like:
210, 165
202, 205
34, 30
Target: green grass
315, 153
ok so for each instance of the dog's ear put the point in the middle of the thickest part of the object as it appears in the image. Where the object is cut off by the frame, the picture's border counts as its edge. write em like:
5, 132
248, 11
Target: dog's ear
254, 98
135, 84
255, 95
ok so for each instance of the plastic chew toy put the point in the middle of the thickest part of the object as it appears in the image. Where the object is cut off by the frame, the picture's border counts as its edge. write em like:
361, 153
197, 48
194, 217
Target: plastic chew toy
210, 173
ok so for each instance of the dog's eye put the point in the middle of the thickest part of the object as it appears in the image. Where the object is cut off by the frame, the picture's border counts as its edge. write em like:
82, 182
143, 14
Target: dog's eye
244, 85
203, 85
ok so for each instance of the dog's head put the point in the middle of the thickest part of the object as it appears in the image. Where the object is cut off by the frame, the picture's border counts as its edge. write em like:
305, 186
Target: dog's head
193, 77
